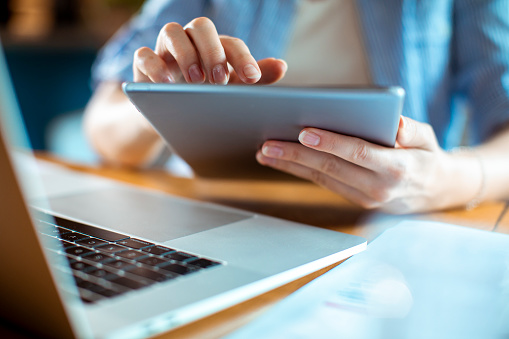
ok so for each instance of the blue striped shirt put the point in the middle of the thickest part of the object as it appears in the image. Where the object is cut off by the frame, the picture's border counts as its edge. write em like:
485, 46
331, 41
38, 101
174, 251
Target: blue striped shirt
446, 54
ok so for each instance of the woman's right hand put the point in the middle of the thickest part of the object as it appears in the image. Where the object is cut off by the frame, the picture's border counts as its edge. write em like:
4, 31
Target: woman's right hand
196, 53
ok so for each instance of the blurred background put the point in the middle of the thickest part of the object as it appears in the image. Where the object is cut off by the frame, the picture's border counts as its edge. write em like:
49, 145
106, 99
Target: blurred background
50, 46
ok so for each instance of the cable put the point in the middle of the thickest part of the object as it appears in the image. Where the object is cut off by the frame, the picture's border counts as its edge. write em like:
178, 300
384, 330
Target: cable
502, 215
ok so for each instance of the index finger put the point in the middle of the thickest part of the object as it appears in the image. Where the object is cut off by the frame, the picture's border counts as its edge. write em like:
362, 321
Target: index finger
176, 49
352, 149
240, 58
203, 35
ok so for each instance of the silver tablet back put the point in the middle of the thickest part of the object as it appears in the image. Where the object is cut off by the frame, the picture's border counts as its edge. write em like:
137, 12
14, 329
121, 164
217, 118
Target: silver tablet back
218, 129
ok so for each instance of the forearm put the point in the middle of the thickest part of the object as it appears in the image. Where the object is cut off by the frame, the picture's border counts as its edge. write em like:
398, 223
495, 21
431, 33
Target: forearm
119, 133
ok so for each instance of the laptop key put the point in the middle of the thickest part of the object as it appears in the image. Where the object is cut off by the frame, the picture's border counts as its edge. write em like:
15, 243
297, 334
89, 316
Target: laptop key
88, 296
179, 256
90, 230
72, 236
80, 266
100, 273
153, 261
203, 263
134, 243
108, 293
85, 284
130, 254
86, 300
77, 279
91, 242
129, 283
95, 288
78, 251
110, 248
152, 275
98, 257
118, 264
157, 250
177, 268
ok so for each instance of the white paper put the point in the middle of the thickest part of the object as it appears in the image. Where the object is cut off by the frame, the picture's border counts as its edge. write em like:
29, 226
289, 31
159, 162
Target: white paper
417, 280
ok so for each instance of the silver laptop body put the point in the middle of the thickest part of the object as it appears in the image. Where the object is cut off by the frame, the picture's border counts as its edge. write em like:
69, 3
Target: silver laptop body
245, 253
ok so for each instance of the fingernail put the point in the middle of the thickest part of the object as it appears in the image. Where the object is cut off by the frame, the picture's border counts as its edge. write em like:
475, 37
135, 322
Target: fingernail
251, 72
308, 138
263, 160
219, 75
195, 74
272, 151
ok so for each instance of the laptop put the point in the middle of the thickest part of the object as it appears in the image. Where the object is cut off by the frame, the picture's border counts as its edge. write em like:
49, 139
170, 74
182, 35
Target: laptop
83, 256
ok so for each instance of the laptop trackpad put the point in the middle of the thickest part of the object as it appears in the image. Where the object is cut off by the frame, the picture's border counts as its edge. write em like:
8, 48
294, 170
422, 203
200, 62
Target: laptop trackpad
151, 215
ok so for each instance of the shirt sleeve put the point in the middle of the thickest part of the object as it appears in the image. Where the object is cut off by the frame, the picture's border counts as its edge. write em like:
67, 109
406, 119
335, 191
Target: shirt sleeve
114, 61
482, 62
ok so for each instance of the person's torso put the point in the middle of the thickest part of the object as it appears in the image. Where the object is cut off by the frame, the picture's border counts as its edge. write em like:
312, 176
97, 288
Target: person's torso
326, 47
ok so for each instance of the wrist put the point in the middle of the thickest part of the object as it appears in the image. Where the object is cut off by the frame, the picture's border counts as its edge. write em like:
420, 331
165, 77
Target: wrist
122, 136
467, 178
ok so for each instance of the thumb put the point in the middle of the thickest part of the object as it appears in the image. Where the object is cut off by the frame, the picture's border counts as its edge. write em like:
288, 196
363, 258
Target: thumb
414, 134
272, 71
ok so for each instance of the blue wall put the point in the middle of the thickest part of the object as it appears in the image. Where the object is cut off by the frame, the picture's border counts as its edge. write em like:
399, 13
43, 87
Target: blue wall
49, 83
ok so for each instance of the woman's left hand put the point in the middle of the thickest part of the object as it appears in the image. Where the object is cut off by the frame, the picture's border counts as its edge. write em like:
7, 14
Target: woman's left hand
415, 176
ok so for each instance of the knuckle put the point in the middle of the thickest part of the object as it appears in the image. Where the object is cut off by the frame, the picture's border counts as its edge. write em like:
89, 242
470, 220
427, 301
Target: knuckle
214, 55
281, 165
329, 165
400, 207
381, 194
230, 39
170, 29
397, 173
294, 155
236, 42
202, 23
329, 144
368, 204
142, 53
360, 152
317, 177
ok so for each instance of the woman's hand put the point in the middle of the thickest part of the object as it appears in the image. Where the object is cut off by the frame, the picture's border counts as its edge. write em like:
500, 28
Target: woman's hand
193, 54
196, 53
415, 176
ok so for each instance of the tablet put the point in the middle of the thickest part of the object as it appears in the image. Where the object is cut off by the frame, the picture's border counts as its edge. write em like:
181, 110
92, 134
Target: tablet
218, 129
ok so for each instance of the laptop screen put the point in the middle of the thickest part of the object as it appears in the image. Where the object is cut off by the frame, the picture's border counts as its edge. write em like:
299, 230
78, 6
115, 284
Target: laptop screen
29, 294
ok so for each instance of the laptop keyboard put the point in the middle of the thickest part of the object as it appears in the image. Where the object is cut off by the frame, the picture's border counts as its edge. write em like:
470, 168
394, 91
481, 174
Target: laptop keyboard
106, 264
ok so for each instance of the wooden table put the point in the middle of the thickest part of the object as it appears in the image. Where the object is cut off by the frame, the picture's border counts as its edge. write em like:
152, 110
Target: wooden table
296, 201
